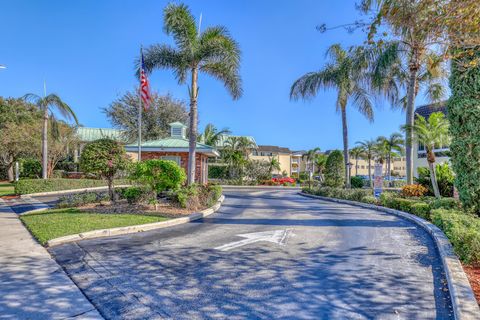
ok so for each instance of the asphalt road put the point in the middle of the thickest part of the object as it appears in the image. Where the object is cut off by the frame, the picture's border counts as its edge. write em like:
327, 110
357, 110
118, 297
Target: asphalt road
311, 260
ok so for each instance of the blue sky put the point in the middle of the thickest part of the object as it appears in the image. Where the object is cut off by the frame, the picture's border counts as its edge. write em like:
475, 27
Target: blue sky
85, 51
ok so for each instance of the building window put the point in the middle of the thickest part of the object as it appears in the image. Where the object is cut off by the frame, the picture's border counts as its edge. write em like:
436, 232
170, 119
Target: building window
172, 158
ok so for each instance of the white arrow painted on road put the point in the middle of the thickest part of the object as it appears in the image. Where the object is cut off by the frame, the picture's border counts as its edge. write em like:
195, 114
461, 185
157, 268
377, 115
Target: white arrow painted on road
279, 237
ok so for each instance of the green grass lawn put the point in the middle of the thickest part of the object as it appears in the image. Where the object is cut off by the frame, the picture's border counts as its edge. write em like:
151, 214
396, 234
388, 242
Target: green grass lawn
56, 223
6, 188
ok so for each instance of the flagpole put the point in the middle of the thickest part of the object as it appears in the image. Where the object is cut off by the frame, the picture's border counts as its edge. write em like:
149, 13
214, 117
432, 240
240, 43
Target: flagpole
140, 113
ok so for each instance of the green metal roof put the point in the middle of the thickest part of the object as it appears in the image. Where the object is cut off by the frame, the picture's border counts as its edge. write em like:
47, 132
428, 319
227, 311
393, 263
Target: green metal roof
171, 144
91, 134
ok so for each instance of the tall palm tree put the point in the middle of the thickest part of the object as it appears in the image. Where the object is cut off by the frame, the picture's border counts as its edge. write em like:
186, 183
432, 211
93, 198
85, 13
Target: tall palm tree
211, 135
320, 163
345, 72
356, 153
392, 146
410, 62
47, 105
212, 51
368, 147
309, 157
432, 133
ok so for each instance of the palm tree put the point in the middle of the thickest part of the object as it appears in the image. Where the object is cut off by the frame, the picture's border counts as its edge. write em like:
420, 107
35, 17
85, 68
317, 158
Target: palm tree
369, 148
346, 72
411, 62
274, 164
212, 51
47, 105
392, 146
320, 163
432, 133
211, 135
356, 153
310, 156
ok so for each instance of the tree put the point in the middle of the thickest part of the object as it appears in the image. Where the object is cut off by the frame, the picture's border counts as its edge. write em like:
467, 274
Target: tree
106, 158
392, 146
346, 72
236, 153
18, 133
335, 170
273, 165
411, 59
212, 51
320, 163
464, 116
368, 148
356, 153
309, 157
432, 133
211, 136
159, 175
47, 105
163, 110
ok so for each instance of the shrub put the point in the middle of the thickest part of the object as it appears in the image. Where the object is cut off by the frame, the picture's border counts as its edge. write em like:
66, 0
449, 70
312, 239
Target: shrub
195, 196
445, 178
158, 175
414, 190
80, 199
356, 182
217, 172
346, 194
106, 158
463, 231
421, 209
133, 194
257, 170
445, 203
335, 170
30, 168
371, 200
27, 186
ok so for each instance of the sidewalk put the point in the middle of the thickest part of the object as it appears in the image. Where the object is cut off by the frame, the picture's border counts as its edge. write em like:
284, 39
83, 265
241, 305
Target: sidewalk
32, 284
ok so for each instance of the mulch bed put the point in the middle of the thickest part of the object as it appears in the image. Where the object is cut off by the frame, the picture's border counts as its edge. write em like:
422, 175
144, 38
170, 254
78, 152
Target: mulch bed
473, 274
163, 209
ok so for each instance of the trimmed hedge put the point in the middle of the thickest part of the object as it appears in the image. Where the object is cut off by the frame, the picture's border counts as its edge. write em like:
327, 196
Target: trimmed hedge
463, 231
27, 186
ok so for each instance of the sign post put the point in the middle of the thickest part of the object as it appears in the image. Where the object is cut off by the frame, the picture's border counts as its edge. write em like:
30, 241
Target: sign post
378, 180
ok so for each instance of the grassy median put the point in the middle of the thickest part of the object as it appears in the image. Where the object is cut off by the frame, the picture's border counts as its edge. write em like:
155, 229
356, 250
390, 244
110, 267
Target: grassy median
6, 188
56, 223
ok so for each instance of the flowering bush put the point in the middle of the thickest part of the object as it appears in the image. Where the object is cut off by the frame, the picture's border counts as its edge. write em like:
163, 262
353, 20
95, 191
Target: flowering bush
414, 190
283, 181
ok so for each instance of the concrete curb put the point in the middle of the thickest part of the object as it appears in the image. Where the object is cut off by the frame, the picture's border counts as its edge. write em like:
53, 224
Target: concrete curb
138, 228
52, 193
465, 306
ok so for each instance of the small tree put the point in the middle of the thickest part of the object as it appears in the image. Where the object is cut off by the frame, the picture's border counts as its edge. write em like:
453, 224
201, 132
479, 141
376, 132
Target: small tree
432, 133
335, 170
159, 175
104, 157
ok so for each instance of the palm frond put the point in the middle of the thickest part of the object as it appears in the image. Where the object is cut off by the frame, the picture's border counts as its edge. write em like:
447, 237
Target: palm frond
65, 110
163, 57
229, 76
307, 86
363, 102
180, 23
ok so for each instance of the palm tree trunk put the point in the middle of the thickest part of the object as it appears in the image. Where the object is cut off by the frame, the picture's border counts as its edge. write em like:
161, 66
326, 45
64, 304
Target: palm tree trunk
370, 172
45, 145
193, 127
410, 118
389, 171
345, 147
10, 173
356, 166
433, 178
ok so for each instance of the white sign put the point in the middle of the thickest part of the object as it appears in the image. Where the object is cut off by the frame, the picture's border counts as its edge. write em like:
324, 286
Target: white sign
378, 180
279, 237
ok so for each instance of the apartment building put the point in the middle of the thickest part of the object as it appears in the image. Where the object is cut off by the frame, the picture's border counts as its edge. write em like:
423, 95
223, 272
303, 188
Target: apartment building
283, 155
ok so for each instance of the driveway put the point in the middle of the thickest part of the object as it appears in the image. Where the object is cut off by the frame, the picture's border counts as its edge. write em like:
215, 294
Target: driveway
266, 254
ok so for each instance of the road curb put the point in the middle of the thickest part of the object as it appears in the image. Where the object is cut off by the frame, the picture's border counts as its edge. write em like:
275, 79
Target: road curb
465, 306
53, 193
230, 186
137, 228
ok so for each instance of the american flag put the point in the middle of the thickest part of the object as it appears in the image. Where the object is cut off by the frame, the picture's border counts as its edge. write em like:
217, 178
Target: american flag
144, 87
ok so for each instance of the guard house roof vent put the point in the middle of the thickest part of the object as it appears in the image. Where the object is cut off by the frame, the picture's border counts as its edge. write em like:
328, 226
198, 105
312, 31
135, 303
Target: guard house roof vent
178, 130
